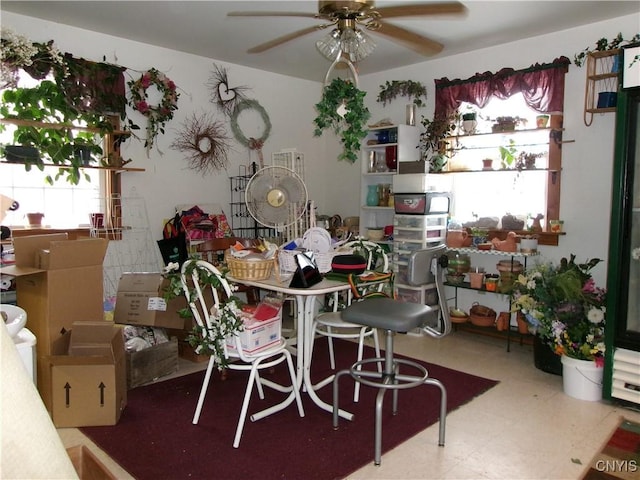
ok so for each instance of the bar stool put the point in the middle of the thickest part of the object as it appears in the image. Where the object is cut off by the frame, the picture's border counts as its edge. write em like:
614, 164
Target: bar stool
393, 317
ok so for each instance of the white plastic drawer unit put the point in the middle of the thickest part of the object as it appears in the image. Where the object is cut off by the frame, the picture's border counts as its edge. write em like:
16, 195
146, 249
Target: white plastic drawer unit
422, 295
420, 221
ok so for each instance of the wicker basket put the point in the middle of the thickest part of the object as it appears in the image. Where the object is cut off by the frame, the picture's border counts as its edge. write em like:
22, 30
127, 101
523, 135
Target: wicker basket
249, 269
482, 316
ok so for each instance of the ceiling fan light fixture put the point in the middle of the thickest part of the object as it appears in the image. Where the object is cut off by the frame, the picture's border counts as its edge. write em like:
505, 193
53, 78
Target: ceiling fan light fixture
356, 44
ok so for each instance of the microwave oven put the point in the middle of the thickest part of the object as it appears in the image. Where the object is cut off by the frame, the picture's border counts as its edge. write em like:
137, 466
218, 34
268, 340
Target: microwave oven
423, 203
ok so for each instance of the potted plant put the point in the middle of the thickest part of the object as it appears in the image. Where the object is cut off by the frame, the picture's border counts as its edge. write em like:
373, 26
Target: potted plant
603, 45
46, 104
565, 309
342, 109
404, 88
432, 140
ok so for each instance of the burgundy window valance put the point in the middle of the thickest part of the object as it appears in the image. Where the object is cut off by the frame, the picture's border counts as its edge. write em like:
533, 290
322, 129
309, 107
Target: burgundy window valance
542, 87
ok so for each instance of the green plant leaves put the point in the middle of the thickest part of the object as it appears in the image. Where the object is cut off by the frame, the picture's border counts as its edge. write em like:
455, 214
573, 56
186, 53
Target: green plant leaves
351, 127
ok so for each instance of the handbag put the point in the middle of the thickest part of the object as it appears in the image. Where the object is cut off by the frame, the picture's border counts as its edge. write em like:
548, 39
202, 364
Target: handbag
307, 273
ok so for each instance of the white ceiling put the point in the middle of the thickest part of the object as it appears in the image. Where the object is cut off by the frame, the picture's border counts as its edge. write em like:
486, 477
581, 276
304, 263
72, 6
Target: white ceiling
203, 28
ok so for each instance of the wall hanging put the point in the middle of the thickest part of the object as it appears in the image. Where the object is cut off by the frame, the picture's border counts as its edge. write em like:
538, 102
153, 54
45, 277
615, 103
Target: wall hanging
204, 142
251, 142
222, 95
157, 115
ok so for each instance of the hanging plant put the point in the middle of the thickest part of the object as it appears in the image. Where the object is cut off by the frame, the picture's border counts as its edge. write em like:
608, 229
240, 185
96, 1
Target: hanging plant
205, 144
404, 88
37, 59
342, 109
159, 114
604, 45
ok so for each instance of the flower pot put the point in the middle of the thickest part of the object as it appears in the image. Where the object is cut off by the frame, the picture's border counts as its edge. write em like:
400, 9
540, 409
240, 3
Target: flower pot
487, 164
542, 121
528, 245
523, 325
582, 379
469, 126
503, 321
83, 154
21, 154
35, 219
544, 358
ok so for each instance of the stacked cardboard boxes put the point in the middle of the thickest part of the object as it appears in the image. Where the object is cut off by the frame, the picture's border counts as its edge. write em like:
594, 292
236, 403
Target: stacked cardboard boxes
59, 284
140, 302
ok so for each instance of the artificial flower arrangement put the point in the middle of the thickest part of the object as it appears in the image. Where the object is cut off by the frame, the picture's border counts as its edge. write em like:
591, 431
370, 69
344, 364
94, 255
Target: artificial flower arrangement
157, 115
563, 305
227, 320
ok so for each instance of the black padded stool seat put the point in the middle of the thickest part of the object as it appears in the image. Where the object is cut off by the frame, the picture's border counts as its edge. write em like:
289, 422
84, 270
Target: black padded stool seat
394, 317
389, 314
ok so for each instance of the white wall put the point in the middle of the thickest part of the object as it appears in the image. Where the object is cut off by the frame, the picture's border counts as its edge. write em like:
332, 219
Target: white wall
167, 181
587, 163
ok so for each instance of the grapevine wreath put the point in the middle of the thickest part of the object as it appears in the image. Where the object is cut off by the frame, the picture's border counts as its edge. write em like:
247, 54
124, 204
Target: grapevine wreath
157, 115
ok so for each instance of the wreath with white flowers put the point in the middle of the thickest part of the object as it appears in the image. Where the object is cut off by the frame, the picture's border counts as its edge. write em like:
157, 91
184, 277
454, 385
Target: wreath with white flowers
157, 115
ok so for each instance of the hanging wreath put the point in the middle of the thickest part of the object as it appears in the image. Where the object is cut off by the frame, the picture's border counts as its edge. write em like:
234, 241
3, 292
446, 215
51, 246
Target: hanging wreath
251, 143
225, 97
205, 143
159, 114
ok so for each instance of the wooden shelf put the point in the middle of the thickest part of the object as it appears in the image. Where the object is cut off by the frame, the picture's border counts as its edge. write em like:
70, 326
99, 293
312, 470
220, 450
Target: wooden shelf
87, 167
61, 126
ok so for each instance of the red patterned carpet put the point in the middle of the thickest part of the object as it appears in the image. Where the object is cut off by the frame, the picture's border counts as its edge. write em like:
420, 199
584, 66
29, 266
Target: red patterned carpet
156, 440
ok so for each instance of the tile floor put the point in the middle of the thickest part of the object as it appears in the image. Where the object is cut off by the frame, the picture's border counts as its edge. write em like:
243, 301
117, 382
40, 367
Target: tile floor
524, 428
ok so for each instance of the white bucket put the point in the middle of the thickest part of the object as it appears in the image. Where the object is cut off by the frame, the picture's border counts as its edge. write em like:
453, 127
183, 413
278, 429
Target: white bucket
582, 379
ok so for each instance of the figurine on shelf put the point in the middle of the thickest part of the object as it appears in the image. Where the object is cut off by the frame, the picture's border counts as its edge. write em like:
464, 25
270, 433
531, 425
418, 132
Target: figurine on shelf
536, 226
506, 245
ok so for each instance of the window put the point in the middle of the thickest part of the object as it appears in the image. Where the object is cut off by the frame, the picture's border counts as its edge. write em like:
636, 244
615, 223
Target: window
525, 191
64, 205
519, 193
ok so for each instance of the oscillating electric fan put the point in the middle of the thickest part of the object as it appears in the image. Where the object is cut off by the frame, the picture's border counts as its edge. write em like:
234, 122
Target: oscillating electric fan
276, 197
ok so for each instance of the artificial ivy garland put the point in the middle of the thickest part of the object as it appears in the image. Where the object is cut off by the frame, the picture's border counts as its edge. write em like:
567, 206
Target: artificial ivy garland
352, 123
159, 114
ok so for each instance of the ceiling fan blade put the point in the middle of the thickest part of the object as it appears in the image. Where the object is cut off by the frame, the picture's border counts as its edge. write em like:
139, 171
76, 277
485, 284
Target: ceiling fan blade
284, 39
413, 41
271, 14
444, 8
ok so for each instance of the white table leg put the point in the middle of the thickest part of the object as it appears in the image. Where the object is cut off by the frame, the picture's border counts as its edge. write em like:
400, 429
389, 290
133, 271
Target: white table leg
305, 336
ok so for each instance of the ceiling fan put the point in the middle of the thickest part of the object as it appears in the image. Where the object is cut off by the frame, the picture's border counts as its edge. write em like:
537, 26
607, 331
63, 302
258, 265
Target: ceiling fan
347, 16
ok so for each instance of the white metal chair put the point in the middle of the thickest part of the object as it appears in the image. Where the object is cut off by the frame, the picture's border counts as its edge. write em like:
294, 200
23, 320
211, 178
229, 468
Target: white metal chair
333, 325
201, 302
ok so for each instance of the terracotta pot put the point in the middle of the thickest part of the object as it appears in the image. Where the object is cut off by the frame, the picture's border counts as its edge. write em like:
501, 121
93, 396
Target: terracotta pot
502, 323
523, 325
456, 238
35, 219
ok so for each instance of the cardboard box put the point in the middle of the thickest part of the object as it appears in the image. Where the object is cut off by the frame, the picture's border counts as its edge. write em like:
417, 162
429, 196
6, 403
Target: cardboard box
185, 350
86, 376
140, 301
68, 290
152, 363
257, 335
87, 465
